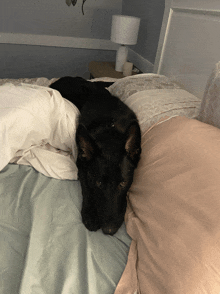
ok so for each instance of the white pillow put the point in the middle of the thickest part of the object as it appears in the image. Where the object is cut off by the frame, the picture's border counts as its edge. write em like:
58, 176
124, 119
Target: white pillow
37, 127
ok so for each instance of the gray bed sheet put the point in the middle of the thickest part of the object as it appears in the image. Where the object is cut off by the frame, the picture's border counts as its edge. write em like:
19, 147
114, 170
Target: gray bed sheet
44, 246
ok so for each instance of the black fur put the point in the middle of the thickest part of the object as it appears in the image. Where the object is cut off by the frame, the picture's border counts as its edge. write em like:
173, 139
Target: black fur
108, 138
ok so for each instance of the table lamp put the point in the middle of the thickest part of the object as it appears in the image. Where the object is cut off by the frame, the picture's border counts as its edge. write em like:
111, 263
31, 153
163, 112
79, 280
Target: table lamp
124, 31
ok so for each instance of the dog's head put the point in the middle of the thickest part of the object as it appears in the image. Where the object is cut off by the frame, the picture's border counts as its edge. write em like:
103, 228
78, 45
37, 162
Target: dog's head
106, 162
78, 90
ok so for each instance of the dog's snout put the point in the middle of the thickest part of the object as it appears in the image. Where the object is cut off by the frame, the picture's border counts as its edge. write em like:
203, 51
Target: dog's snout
109, 230
110, 227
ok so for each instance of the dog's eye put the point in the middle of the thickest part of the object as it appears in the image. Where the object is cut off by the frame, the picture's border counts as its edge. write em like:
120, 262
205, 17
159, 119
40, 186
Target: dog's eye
123, 184
99, 184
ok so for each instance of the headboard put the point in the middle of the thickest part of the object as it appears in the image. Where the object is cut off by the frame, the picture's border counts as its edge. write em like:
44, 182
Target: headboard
189, 45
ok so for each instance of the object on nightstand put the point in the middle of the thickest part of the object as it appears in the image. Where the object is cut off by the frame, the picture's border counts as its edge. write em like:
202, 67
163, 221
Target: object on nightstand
124, 31
127, 69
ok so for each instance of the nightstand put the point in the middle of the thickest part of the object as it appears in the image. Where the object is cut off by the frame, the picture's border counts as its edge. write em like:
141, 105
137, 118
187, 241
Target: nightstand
99, 69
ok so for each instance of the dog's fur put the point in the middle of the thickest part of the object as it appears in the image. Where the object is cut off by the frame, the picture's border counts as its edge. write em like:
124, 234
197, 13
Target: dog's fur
108, 138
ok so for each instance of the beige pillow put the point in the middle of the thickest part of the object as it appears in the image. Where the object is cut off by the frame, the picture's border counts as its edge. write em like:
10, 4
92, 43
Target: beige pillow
210, 107
152, 105
173, 213
124, 88
153, 96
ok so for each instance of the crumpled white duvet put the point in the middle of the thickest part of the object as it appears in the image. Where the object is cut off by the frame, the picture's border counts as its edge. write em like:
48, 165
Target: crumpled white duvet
37, 128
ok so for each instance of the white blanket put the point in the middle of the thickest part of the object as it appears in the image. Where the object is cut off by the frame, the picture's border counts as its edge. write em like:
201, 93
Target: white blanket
37, 128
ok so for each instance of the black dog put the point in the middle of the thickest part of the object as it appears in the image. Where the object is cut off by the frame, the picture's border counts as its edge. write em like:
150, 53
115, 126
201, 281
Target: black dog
108, 138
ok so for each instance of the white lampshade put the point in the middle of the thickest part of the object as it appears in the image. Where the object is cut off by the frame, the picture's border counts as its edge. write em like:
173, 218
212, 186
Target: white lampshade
125, 29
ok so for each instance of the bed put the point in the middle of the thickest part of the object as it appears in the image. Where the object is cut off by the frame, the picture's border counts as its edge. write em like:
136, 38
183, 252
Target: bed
170, 240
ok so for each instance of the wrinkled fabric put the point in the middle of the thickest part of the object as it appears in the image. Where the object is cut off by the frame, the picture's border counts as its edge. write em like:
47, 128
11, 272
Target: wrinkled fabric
173, 213
153, 105
44, 246
210, 106
37, 128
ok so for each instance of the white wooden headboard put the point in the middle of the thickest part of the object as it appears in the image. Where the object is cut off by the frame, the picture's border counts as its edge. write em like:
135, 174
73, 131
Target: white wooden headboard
189, 45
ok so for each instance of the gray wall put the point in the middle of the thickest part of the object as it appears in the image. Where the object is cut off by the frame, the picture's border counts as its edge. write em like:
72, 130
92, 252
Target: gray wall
54, 17
151, 14
21, 61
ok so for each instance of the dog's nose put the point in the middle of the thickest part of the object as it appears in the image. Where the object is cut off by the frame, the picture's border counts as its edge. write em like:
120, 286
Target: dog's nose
109, 230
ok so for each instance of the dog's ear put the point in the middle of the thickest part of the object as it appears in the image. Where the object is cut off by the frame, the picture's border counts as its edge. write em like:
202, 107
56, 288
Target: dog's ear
133, 142
86, 146
95, 87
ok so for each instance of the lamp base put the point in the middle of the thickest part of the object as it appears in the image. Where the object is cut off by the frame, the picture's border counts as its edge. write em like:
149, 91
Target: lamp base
121, 57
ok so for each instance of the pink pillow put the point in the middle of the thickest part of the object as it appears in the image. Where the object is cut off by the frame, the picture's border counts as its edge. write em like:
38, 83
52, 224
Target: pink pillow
173, 213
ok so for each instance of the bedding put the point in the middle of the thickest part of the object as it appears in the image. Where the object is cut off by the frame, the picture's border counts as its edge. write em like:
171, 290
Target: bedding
153, 97
153, 105
130, 85
173, 206
45, 248
159, 248
33, 81
37, 128
173, 211
210, 106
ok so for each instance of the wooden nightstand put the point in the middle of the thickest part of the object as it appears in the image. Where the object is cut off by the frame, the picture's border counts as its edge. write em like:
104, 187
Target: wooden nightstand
99, 69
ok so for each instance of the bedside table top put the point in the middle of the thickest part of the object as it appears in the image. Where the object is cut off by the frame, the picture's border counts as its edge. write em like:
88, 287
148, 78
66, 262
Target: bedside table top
100, 69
